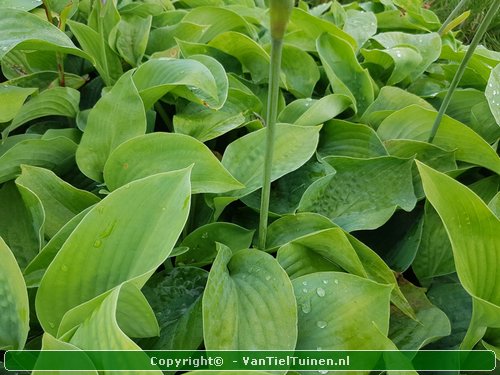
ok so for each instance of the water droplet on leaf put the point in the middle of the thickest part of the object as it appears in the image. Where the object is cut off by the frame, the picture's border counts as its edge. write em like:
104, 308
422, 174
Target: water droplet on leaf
320, 292
321, 324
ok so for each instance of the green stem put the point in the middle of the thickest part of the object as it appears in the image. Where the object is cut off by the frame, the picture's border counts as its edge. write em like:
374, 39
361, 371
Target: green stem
272, 112
463, 65
452, 16
48, 12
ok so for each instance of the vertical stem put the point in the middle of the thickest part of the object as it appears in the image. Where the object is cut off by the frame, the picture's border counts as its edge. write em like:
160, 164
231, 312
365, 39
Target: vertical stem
59, 55
452, 16
272, 112
461, 69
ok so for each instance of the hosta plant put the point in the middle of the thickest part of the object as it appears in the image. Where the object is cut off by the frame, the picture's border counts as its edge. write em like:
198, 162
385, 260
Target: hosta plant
246, 175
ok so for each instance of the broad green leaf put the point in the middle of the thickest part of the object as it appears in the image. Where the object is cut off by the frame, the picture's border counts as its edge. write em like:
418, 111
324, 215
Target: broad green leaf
14, 320
343, 138
130, 38
56, 154
219, 20
428, 45
249, 53
473, 231
255, 297
390, 99
10, 142
470, 107
219, 74
481, 61
327, 250
486, 188
118, 116
332, 307
355, 197
105, 234
36, 34
157, 77
435, 256
26, 5
279, 234
59, 101
102, 332
244, 157
22, 234
308, 112
431, 325
47, 79
163, 39
107, 63
175, 296
360, 25
35, 270
310, 28
163, 152
432, 155
415, 123
494, 204
103, 17
12, 99
457, 304
287, 191
202, 242
400, 61
492, 93
205, 123
345, 74
61, 201
300, 70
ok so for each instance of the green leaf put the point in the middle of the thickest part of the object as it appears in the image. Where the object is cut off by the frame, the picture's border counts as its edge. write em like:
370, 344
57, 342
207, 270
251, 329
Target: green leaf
473, 231
428, 46
59, 101
157, 77
162, 39
47, 79
219, 21
360, 25
248, 52
175, 296
415, 123
300, 70
14, 320
163, 152
334, 305
61, 201
22, 235
36, 34
309, 112
35, 270
435, 256
355, 197
431, 325
326, 250
26, 5
130, 38
107, 63
344, 72
105, 234
390, 99
118, 116
202, 242
255, 296
343, 138
492, 93
56, 154
243, 158
12, 99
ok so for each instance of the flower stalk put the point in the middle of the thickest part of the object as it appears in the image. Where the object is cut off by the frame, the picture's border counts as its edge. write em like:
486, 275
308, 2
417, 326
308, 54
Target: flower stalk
280, 11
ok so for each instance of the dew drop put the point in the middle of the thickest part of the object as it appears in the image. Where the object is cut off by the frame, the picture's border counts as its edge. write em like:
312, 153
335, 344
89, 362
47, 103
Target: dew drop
204, 235
4, 48
306, 307
325, 282
321, 324
97, 243
268, 277
398, 54
336, 281
304, 282
304, 290
320, 292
